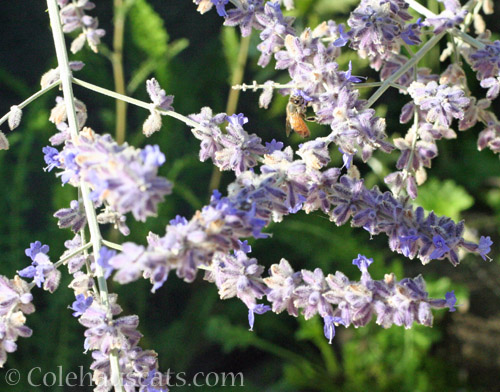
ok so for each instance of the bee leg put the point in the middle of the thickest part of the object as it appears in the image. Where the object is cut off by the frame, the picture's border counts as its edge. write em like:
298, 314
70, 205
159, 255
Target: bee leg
311, 119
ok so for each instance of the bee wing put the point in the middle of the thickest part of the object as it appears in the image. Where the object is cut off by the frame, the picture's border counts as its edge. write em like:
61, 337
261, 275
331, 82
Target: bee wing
288, 127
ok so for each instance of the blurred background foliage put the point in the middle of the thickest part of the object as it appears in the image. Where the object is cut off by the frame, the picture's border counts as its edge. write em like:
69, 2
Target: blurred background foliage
194, 58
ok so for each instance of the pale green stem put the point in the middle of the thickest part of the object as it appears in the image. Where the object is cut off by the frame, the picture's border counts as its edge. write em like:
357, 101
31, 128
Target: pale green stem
255, 86
112, 245
118, 73
406, 66
136, 102
62, 260
95, 234
27, 101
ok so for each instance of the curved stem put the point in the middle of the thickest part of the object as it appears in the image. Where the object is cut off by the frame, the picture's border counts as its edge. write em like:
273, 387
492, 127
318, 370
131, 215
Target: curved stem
136, 102
95, 234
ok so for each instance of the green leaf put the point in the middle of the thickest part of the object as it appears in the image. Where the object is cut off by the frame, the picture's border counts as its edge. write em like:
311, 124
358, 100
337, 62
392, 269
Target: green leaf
444, 198
229, 336
148, 32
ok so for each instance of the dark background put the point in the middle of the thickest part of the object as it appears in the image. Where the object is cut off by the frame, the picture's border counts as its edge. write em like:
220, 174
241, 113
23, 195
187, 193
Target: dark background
190, 328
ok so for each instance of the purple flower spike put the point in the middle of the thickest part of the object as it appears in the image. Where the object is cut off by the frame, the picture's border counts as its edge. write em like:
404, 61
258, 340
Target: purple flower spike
440, 247
259, 309
343, 37
37, 247
246, 16
81, 305
329, 328
362, 262
484, 247
274, 146
220, 6
451, 300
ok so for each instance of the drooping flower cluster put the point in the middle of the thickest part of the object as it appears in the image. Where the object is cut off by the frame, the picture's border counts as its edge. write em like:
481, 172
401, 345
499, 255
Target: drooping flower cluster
315, 72
121, 177
73, 17
285, 186
15, 302
335, 298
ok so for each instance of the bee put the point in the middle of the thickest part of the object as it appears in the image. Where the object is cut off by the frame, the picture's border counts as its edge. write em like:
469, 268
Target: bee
295, 116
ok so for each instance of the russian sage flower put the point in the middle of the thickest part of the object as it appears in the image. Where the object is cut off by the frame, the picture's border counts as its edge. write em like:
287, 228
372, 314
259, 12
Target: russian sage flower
15, 303
138, 367
440, 103
73, 217
73, 18
41, 270
486, 62
378, 27
161, 101
452, 15
276, 27
123, 177
245, 16
240, 276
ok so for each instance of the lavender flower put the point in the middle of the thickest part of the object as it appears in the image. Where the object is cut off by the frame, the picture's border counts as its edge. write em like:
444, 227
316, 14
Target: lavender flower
105, 255
158, 95
239, 150
441, 103
15, 302
486, 62
208, 132
81, 305
73, 17
329, 328
239, 276
276, 27
161, 101
282, 283
378, 27
245, 16
42, 270
72, 217
220, 6
310, 296
138, 367
36, 248
58, 114
449, 18
123, 177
